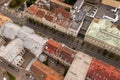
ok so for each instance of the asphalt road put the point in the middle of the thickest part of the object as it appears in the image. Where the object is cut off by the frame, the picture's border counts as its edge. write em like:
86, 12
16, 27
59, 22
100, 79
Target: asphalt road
20, 75
58, 37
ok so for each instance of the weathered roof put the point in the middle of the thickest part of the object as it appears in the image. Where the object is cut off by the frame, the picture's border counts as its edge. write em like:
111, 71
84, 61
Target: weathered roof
4, 19
10, 30
78, 4
79, 68
104, 31
44, 72
61, 3
52, 46
67, 54
102, 71
12, 50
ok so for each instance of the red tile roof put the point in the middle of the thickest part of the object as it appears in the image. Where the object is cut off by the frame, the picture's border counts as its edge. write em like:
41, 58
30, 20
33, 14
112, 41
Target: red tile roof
62, 20
52, 46
40, 13
101, 71
44, 72
49, 17
33, 9
67, 54
63, 12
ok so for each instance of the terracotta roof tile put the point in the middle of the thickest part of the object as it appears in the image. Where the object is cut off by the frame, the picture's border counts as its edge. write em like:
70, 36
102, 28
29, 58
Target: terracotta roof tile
63, 12
49, 17
40, 13
44, 72
52, 46
101, 71
33, 9
67, 54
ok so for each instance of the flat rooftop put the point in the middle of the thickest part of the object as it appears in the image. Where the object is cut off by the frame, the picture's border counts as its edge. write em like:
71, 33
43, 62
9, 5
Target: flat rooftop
79, 67
87, 21
75, 26
102, 10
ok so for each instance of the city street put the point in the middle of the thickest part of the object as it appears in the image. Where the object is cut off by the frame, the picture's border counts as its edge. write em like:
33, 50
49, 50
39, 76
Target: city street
20, 74
58, 37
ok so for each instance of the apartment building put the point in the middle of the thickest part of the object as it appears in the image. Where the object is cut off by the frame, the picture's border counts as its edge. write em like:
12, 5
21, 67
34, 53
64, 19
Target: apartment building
101, 33
104, 34
4, 19
79, 68
102, 71
59, 52
35, 44
58, 18
9, 30
44, 72
59, 3
85, 67
13, 52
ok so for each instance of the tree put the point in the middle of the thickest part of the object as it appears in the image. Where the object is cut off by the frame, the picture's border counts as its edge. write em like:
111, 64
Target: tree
71, 2
16, 3
30, 2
